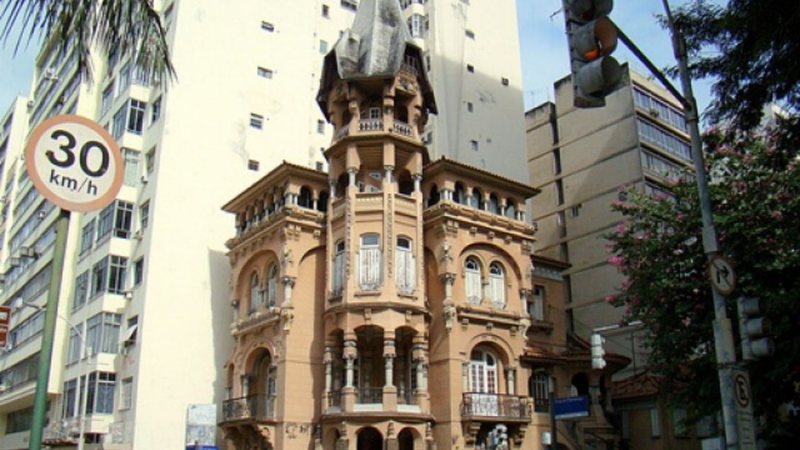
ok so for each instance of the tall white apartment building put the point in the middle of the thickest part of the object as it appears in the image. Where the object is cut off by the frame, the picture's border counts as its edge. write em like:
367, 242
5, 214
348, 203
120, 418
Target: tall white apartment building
143, 312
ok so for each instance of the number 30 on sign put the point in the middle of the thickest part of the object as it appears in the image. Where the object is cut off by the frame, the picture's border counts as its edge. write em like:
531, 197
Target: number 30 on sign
74, 163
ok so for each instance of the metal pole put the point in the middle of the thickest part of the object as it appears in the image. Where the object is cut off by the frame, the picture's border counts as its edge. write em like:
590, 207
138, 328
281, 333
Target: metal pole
553, 427
84, 395
723, 337
51, 309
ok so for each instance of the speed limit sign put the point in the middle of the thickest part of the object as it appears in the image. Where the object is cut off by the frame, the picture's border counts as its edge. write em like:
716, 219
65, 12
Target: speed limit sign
74, 163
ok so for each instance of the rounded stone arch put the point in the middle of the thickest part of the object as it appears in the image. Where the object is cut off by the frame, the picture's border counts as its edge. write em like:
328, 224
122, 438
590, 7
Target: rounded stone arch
503, 349
466, 254
320, 249
369, 438
256, 354
505, 258
409, 438
330, 437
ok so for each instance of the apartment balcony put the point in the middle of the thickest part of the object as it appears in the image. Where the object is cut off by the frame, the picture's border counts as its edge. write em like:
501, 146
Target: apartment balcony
257, 408
494, 407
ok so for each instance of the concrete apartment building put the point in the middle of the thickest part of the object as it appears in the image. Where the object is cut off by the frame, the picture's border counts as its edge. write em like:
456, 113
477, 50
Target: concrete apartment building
581, 159
140, 318
391, 303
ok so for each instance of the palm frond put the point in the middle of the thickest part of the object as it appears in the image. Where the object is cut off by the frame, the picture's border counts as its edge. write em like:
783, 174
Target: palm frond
90, 25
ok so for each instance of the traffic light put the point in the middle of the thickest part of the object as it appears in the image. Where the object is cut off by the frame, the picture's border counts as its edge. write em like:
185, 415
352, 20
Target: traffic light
591, 37
597, 351
753, 330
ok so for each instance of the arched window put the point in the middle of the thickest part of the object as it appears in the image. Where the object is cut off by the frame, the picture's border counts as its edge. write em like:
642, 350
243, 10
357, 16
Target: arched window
472, 280
272, 286
322, 201
482, 372
405, 272
304, 199
433, 198
458, 194
255, 295
338, 269
494, 204
511, 208
477, 199
341, 185
497, 285
370, 262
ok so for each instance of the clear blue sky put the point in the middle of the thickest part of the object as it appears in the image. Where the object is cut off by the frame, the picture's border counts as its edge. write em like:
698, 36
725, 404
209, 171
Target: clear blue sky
543, 48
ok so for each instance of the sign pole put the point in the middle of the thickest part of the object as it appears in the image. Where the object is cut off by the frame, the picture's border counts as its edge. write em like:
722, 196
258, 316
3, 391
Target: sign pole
50, 312
553, 427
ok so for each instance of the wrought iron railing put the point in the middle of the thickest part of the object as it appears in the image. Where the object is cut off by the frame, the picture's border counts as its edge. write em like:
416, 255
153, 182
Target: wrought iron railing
476, 404
370, 395
257, 406
335, 398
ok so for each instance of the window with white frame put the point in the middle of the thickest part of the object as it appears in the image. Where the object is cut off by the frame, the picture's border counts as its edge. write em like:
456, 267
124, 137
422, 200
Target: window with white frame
271, 293
255, 293
144, 215
123, 219
338, 269
74, 346
100, 398
536, 303
482, 372
405, 273
70, 402
155, 111
497, 285
118, 124
138, 271
256, 121
136, 116
102, 333
117, 274
81, 291
87, 238
370, 262
124, 79
472, 280
131, 163
107, 98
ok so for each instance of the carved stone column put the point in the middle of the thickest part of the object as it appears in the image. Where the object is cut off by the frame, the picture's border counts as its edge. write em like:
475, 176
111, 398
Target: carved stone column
448, 305
350, 353
417, 182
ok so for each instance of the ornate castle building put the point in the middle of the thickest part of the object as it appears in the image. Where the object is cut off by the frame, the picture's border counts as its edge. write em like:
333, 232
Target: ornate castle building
393, 302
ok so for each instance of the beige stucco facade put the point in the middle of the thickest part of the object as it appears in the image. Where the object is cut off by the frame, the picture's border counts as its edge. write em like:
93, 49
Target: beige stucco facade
395, 302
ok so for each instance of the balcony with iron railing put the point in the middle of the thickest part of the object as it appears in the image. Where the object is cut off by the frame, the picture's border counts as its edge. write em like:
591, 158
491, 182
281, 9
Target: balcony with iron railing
476, 406
257, 407
369, 395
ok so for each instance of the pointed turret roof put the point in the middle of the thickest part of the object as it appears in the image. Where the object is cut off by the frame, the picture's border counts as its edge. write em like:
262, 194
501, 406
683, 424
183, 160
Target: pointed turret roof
376, 46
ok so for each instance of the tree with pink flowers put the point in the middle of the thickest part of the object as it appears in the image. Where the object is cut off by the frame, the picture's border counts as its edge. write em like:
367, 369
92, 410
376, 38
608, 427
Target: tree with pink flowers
755, 192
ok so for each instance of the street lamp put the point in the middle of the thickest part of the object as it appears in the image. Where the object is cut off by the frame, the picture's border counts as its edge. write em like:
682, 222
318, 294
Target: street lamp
19, 304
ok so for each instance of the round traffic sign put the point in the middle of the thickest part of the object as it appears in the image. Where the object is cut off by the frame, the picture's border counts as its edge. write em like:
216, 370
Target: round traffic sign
723, 278
74, 163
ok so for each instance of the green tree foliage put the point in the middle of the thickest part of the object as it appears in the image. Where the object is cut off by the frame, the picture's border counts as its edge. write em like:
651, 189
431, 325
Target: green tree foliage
751, 48
755, 192
85, 25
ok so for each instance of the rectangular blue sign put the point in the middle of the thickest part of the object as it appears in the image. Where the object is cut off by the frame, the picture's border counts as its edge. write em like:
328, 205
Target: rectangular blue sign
572, 407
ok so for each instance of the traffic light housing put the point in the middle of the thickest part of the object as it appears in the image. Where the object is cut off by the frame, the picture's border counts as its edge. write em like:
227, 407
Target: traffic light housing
592, 37
597, 351
753, 330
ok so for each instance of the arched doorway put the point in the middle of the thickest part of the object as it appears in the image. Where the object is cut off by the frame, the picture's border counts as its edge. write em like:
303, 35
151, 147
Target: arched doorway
369, 439
405, 439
